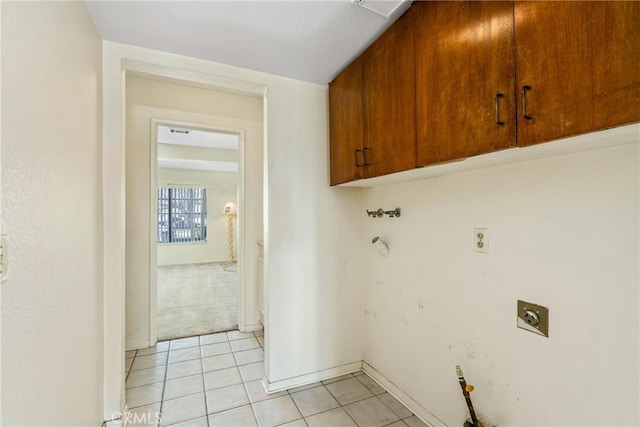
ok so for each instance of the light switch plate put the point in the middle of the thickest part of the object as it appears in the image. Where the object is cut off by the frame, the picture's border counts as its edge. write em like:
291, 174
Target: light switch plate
533, 318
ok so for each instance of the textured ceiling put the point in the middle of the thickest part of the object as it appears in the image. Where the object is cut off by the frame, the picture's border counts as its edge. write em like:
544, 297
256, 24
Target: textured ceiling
306, 40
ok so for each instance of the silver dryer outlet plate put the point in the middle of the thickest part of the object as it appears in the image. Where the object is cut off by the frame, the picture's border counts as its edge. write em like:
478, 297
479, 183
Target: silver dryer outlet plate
530, 313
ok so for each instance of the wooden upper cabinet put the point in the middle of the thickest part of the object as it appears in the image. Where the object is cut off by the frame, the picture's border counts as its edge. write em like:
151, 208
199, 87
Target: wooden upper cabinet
453, 79
580, 63
465, 79
346, 125
389, 101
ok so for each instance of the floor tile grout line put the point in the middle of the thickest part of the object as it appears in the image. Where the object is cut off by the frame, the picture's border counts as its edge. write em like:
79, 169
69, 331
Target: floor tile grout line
378, 396
253, 411
204, 392
190, 394
387, 391
340, 405
164, 383
129, 371
187, 395
298, 408
343, 406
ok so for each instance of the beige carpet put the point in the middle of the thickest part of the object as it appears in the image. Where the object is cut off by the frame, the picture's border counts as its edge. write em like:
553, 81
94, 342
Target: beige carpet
196, 299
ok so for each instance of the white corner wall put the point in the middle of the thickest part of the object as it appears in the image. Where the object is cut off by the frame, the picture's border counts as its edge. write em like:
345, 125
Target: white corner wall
52, 325
563, 233
314, 245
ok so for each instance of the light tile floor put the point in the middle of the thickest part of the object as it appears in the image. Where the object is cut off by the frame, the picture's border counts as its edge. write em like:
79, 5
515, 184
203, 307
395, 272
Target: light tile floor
215, 380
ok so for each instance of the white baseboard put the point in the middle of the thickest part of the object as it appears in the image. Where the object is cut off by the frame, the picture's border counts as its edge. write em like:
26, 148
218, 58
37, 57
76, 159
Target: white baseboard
125, 411
253, 327
120, 419
312, 377
421, 412
137, 345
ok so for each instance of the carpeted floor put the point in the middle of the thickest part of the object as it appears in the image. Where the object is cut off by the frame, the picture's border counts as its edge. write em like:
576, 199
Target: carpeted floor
196, 299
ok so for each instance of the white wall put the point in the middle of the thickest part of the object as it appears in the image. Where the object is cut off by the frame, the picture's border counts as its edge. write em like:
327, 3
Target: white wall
221, 187
563, 233
313, 233
52, 329
314, 243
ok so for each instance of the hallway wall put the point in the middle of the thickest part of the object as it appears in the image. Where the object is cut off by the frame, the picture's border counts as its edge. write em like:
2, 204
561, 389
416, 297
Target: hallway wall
52, 302
152, 99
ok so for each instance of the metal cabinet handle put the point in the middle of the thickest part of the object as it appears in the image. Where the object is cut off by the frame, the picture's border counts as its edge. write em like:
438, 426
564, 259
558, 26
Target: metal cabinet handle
355, 154
526, 116
365, 150
498, 121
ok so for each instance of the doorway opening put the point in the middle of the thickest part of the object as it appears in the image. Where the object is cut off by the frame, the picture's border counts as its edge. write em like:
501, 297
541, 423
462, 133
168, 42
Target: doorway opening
149, 95
177, 138
195, 212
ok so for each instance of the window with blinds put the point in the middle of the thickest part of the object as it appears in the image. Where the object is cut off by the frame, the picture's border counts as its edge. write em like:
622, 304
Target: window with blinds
182, 215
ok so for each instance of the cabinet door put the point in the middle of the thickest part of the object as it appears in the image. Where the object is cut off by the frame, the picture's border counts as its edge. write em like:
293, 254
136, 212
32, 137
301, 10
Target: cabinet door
580, 63
389, 101
346, 125
465, 79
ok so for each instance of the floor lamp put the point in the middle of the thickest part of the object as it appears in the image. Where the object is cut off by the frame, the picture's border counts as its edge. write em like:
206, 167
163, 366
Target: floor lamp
230, 210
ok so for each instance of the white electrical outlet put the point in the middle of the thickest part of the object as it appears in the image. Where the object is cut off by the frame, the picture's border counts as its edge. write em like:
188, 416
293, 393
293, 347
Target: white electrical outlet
481, 240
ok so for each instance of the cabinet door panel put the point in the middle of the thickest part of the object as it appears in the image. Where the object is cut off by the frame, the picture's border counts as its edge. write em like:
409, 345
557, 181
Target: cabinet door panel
582, 63
346, 124
464, 59
389, 101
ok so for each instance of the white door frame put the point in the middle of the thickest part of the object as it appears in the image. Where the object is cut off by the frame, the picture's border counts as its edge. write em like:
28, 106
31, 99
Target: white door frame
153, 209
117, 61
